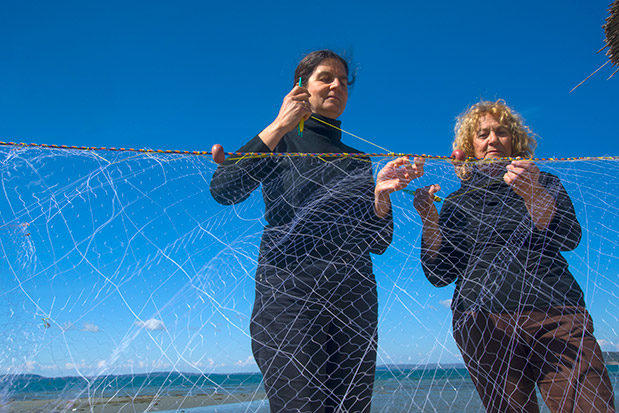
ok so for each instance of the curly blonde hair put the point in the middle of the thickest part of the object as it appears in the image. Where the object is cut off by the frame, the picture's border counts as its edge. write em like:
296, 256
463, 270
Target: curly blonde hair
467, 126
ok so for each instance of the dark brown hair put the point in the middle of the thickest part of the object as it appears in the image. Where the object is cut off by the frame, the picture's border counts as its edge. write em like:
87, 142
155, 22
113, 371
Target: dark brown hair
308, 64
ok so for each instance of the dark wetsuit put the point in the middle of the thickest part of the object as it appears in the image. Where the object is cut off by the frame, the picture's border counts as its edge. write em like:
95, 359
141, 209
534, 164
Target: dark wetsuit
519, 314
314, 323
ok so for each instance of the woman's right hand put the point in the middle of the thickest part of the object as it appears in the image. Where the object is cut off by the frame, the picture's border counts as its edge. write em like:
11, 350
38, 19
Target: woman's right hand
295, 107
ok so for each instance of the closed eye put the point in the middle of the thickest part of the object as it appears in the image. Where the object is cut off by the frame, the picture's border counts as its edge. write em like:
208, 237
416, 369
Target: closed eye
502, 132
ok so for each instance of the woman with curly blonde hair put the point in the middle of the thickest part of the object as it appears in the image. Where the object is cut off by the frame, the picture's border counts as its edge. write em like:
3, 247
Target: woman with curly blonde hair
519, 316
523, 141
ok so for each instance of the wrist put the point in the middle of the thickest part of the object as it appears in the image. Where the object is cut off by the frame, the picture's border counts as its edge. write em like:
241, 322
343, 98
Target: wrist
534, 194
272, 134
429, 216
380, 193
382, 203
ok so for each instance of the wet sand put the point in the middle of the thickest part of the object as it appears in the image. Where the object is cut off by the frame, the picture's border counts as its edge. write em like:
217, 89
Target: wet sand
127, 404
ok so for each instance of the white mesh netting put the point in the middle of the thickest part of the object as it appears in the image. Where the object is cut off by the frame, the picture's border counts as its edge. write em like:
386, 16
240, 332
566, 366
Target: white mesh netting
126, 287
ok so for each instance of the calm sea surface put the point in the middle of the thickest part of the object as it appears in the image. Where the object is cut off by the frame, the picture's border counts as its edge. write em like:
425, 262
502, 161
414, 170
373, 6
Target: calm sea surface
396, 389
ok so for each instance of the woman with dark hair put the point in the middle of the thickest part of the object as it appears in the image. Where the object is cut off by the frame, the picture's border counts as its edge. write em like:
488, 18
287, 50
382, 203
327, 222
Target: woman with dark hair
519, 316
314, 322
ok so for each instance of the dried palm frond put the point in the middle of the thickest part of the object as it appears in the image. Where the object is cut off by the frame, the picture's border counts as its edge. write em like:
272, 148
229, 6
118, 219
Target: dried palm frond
612, 34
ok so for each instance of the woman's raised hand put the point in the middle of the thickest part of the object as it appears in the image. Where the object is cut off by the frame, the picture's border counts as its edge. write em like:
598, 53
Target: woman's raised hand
523, 177
295, 107
397, 174
424, 199
394, 176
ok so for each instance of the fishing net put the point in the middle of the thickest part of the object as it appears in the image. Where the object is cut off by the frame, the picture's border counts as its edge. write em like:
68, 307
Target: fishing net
126, 287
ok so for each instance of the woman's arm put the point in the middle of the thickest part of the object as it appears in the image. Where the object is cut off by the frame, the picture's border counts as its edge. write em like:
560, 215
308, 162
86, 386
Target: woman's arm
294, 108
236, 178
442, 241
394, 176
564, 230
523, 177
548, 203
431, 234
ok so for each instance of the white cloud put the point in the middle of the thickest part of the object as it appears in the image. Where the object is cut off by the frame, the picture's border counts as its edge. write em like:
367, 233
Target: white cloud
209, 362
445, 303
160, 364
66, 326
77, 366
243, 363
131, 364
29, 365
608, 345
151, 324
90, 328
50, 367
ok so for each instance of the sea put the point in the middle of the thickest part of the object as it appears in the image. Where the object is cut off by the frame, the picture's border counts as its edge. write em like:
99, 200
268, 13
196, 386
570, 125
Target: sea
396, 389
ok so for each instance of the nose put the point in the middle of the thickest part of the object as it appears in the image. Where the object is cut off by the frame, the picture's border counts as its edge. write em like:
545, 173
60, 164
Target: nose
337, 83
493, 137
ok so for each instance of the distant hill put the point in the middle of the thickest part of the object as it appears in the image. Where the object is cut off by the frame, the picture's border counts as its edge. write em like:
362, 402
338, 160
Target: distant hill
22, 376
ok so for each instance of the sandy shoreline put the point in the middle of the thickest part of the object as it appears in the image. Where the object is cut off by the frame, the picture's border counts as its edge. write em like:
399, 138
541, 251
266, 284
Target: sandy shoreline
127, 404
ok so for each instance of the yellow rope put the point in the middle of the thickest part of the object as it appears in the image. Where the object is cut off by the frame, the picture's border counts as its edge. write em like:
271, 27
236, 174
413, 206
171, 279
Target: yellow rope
351, 134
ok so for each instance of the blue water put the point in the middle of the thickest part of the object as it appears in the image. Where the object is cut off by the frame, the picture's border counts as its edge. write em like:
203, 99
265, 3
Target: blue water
27, 387
257, 406
397, 389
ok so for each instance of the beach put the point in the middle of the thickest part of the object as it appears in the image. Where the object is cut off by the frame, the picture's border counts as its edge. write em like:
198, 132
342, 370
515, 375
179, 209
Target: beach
127, 404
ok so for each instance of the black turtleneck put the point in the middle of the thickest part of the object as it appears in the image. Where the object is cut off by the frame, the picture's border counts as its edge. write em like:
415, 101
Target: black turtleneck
314, 206
498, 258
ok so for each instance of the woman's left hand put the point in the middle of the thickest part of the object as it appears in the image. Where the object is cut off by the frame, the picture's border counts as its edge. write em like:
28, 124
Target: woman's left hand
523, 177
394, 176
397, 174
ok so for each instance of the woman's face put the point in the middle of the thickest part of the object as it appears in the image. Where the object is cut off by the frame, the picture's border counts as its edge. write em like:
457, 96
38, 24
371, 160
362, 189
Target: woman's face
492, 139
328, 86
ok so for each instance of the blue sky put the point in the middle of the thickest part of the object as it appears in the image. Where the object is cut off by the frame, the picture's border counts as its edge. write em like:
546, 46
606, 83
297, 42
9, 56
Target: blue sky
186, 75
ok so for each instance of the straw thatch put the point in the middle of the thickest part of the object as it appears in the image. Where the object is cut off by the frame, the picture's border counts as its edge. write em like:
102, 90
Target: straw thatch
612, 33
611, 27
